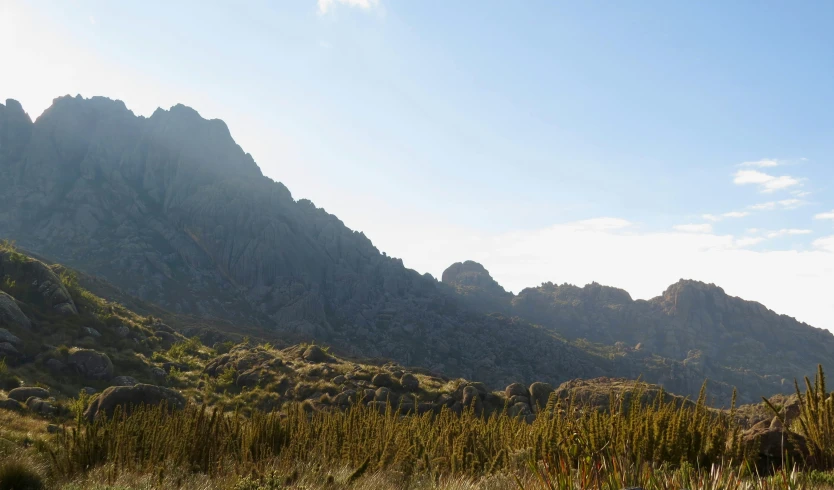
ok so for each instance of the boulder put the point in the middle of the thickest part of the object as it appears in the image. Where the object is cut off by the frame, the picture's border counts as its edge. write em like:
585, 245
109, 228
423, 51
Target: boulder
383, 394
382, 379
129, 397
338, 380
519, 410
515, 389
122, 331
315, 354
41, 407
6, 336
249, 378
241, 360
8, 350
44, 287
519, 399
91, 364
11, 315
539, 395
9, 404
158, 373
445, 400
25, 392
55, 365
482, 388
771, 441
124, 381
472, 397
92, 332
345, 398
409, 382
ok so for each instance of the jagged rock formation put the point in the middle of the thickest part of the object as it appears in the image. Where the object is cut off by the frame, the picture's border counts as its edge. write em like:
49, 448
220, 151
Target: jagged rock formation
171, 210
697, 329
477, 288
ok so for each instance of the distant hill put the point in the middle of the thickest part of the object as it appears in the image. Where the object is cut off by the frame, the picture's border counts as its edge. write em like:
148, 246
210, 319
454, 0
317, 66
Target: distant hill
719, 336
171, 211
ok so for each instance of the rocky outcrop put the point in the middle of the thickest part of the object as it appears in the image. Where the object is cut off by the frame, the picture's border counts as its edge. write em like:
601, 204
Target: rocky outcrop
25, 392
11, 315
36, 281
130, 397
774, 445
6, 336
476, 286
172, 211
9, 404
41, 407
91, 364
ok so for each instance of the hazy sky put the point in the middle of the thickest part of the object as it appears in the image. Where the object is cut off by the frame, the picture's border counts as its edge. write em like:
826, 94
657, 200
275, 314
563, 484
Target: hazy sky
628, 143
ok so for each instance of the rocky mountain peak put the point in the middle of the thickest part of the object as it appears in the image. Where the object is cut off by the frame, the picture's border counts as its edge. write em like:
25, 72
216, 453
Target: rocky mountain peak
15, 129
12, 106
469, 274
687, 294
207, 143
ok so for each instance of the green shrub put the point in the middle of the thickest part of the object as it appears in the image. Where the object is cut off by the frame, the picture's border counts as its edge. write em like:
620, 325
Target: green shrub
8, 381
224, 347
17, 475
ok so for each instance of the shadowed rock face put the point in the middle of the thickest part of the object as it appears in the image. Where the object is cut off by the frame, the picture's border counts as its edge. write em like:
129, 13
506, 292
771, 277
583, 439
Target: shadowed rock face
130, 397
171, 210
477, 288
700, 331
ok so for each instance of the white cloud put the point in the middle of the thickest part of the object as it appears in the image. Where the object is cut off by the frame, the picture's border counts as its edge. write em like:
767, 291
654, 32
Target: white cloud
92, 20
603, 224
694, 228
763, 163
793, 282
788, 232
325, 6
828, 215
766, 182
748, 241
783, 204
732, 214
824, 243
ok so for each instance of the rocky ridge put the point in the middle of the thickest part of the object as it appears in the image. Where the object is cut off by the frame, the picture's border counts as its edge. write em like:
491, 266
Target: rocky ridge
173, 212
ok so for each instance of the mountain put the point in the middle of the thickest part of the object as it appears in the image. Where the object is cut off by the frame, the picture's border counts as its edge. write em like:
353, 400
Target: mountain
723, 337
171, 211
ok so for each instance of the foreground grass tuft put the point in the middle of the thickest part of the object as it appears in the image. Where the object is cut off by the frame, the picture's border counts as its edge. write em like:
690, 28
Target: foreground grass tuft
19, 475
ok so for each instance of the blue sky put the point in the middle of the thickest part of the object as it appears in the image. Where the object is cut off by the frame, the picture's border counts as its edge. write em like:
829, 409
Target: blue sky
631, 143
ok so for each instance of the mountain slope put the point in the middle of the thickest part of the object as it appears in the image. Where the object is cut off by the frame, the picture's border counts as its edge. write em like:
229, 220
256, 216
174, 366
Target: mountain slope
725, 338
171, 210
